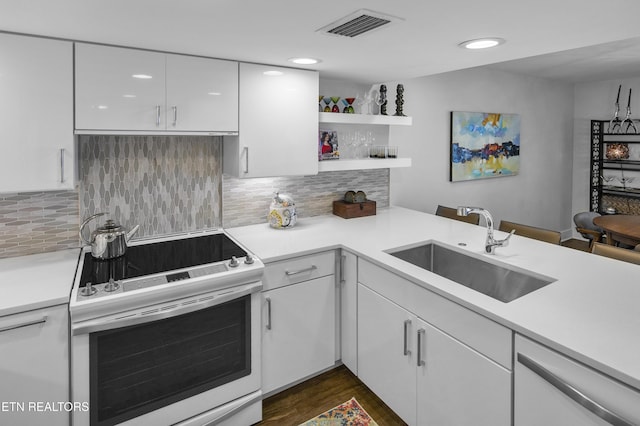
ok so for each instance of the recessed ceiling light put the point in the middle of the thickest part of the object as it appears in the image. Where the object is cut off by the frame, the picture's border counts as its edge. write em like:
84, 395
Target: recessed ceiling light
304, 61
128, 96
214, 93
482, 43
273, 73
142, 76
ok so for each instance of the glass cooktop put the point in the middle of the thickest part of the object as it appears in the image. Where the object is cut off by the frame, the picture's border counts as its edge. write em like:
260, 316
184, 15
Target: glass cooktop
153, 258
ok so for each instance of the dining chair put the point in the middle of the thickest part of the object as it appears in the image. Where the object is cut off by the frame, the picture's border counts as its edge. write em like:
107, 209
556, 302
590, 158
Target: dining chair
534, 232
451, 213
627, 255
586, 227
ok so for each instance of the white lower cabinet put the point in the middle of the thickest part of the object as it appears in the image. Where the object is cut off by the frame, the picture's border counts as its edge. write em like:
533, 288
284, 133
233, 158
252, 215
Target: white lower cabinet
298, 321
551, 389
34, 367
457, 385
426, 376
385, 364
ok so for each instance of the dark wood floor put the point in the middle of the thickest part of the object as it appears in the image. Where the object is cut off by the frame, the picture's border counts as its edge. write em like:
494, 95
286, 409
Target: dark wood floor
315, 396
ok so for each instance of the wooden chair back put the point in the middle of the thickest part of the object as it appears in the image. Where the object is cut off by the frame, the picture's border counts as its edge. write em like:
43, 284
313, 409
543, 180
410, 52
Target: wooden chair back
534, 232
451, 213
586, 228
627, 255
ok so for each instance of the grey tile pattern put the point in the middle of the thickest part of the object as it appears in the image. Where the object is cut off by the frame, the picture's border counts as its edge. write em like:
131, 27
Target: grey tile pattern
246, 201
38, 222
166, 184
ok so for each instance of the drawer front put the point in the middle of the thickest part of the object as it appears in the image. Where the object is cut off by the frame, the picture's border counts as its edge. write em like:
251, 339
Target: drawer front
482, 334
34, 365
298, 269
545, 382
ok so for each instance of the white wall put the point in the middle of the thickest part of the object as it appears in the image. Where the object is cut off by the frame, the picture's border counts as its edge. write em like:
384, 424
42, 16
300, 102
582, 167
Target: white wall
595, 101
539, 195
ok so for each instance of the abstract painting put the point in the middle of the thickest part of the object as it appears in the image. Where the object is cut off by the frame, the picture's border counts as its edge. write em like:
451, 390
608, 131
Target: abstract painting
484, 145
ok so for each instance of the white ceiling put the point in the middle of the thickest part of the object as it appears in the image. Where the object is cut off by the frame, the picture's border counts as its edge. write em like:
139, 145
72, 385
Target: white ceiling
608, 61
423, 42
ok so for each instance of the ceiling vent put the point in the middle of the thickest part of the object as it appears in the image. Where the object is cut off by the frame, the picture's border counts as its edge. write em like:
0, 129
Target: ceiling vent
359, 22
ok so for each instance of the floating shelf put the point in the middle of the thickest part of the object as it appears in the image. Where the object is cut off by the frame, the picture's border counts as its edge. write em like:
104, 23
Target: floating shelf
363, 164
338, 117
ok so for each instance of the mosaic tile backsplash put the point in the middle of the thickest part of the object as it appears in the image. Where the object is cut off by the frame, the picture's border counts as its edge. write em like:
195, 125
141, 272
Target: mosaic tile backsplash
246, 201
38, 222
166, 184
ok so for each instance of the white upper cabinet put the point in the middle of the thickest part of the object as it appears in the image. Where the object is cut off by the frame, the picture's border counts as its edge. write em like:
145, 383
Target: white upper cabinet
202, 94
36, 114
135, 91
278, 132
119, 89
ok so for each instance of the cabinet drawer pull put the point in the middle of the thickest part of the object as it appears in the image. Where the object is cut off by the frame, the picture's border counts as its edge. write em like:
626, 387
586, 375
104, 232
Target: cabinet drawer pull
157, 115
343, 260
26, 324
268, 313
573, 393
246, 160
175, 115
61, 165
300, 271
406, 350
421, 335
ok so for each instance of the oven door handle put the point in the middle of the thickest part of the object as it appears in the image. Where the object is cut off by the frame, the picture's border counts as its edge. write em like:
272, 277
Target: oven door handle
145, 315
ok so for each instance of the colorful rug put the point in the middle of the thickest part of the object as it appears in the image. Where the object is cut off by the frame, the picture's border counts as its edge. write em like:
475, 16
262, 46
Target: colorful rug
349, 413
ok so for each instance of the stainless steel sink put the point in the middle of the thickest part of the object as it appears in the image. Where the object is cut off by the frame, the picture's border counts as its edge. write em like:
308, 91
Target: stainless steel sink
502, 282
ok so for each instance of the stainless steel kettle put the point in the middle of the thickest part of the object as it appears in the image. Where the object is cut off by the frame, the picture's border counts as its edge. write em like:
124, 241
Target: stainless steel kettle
107, 241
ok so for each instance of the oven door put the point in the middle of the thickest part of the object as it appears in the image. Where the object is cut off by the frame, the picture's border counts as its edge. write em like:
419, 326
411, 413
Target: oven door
195, 360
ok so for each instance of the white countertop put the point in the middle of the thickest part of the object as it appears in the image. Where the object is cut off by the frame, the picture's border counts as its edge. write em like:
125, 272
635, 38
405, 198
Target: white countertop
36, 281
591, 313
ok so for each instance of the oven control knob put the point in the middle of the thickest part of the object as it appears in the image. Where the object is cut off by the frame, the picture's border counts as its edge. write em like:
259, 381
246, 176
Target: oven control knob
88, 290
233, 262
248, 260
111, 286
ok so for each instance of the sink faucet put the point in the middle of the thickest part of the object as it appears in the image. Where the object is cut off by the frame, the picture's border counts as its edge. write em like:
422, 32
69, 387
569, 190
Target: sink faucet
490, 243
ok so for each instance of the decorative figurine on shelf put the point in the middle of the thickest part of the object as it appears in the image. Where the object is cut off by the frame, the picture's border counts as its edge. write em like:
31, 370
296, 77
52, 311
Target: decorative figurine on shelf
627, 119
399, 100
383, 99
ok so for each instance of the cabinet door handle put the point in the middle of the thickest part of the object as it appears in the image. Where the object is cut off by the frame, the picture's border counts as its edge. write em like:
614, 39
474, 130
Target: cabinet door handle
62, 165
406, 350
157, 115
268, 299
343, 260
25, 324
175, 115
421, 335
246, 159
573, 393
300, 271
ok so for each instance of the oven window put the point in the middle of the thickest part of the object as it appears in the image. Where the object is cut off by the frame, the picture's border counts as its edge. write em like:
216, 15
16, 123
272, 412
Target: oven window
138, 369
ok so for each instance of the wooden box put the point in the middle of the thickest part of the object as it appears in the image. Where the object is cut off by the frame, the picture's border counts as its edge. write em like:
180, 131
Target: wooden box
350, 210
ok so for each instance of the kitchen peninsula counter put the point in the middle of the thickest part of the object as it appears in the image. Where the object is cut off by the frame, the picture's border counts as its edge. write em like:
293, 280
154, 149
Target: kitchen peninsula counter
590, 313
36, 281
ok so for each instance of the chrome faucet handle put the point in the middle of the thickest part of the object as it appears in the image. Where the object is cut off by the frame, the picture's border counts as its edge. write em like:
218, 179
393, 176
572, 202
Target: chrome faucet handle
505, 242
491, 245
